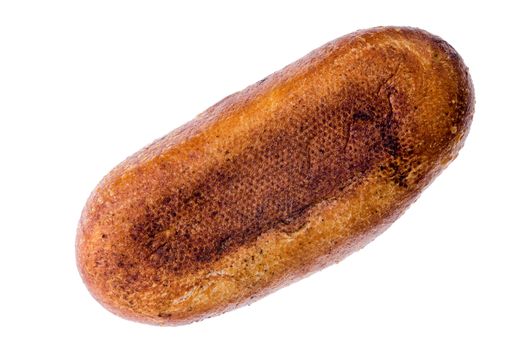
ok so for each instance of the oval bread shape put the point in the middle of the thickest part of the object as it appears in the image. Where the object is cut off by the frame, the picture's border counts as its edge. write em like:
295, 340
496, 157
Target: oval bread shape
277, 181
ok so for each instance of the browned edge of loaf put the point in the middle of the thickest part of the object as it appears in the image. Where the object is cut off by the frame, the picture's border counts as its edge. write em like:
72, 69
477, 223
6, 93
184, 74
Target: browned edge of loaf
276, 181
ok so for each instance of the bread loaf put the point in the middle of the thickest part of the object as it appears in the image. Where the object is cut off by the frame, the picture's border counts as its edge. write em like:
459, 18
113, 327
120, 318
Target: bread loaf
276, 181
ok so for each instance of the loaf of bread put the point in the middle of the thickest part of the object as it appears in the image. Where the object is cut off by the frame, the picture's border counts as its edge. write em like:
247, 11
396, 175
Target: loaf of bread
277, 181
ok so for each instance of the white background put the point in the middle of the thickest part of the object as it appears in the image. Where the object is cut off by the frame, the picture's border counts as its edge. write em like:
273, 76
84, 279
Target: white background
83, 84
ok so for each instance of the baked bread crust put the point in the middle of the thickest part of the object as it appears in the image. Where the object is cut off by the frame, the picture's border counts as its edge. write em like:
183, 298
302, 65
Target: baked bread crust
276, 181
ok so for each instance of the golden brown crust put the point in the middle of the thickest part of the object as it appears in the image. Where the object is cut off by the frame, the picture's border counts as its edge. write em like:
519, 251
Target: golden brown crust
276, 181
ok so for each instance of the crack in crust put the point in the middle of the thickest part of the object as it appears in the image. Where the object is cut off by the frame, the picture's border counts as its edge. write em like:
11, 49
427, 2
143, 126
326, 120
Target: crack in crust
273, 184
